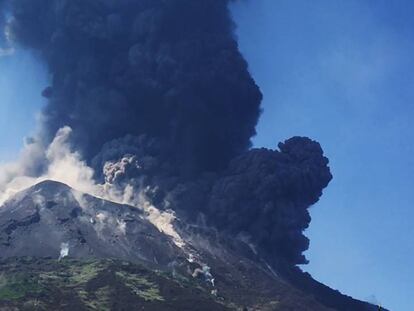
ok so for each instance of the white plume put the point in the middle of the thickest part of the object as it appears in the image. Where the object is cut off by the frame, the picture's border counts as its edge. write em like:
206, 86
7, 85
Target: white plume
67, 166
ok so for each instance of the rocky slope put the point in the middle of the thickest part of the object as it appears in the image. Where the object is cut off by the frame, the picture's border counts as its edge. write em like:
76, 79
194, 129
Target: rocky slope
91, 254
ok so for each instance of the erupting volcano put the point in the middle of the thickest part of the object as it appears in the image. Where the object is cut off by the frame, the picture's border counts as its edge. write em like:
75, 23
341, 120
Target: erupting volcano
147, 135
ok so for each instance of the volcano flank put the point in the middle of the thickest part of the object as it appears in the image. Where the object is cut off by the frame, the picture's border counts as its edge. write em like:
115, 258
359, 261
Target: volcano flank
141, 189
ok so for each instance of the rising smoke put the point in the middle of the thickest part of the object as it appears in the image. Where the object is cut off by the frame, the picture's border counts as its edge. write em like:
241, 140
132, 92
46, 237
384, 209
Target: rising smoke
169, 69
159, 101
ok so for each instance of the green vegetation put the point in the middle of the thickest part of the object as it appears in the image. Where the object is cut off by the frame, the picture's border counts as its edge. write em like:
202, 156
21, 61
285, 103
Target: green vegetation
82, 274
99, 300
141, 286
17, 287
101, 285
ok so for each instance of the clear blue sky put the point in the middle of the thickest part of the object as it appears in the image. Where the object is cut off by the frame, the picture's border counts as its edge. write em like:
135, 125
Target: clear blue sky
342, 72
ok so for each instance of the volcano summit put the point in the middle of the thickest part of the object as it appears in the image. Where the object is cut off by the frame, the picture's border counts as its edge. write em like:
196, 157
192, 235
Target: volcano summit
147, 133
65, 249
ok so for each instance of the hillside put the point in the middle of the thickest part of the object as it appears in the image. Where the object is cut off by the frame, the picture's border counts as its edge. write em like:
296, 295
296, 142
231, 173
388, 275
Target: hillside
59, 253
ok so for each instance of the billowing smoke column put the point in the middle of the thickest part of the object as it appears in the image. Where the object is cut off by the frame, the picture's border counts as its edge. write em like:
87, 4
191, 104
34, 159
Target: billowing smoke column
165, 68
266, 194
159, 98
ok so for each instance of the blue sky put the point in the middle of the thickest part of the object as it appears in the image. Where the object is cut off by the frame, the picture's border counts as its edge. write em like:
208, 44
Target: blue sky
22, 79
342, 72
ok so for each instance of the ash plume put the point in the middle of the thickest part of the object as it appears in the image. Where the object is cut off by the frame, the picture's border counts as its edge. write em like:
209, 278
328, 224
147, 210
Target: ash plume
266, 194
159, 103
168, 69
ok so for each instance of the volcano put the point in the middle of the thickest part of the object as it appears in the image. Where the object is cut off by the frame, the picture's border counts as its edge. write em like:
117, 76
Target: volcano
62, 249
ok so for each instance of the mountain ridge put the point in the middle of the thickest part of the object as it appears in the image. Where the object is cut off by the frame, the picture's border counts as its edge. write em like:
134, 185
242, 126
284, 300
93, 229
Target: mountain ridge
49, 216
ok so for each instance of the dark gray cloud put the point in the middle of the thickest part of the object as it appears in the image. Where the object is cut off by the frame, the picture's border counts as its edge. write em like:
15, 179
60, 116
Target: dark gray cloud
158, 94
263, 195
266, 194
168, 69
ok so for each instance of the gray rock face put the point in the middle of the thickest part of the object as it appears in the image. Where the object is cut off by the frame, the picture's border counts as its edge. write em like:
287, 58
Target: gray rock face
52, 220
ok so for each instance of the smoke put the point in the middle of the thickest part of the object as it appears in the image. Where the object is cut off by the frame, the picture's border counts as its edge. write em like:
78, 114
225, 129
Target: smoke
58, 161
64, 250
16, 176
167, 69
66, 166
266, 195
151, 104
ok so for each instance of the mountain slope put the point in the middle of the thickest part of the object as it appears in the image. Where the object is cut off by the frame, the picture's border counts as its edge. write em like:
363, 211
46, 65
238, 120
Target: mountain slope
41, 220
47, 284
115, 250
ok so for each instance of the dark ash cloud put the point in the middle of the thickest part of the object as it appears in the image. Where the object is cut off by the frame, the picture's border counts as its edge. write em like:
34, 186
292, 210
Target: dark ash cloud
263, 195
159, 97
168, 69
266, 194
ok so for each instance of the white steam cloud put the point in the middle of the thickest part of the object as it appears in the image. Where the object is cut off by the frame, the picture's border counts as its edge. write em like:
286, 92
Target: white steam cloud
62, 165
66, 166
64, 250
